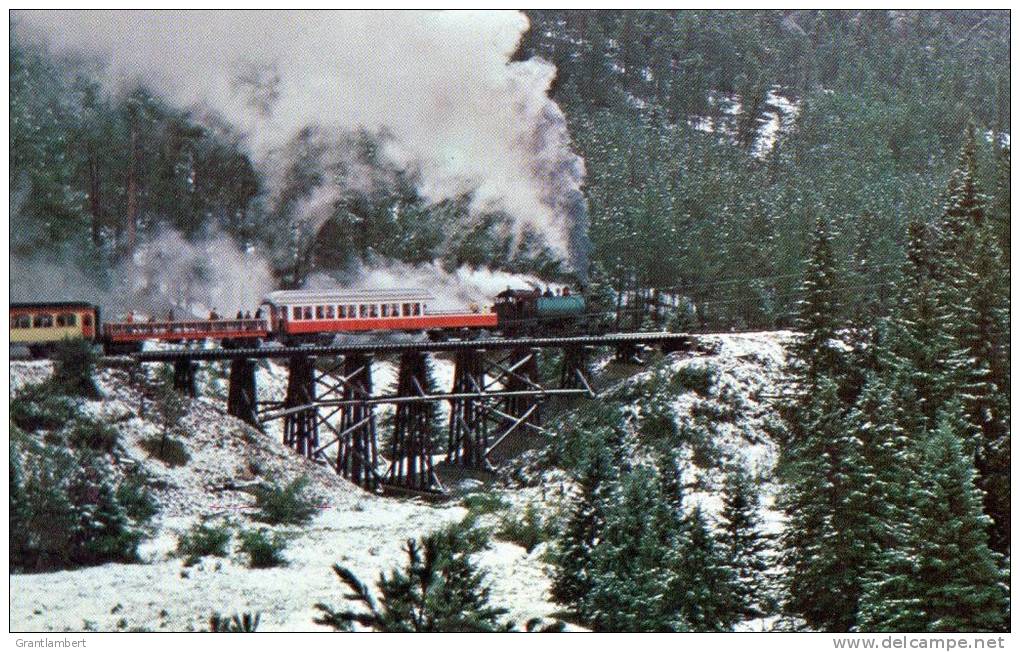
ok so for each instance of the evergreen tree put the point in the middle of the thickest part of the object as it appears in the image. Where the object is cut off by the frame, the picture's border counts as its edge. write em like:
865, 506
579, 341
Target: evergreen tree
707, 586
573, 551
876, 420
816, 351
631, 570
923, 352
1002, 213
826, 546
440, 589
943, 577
744, 544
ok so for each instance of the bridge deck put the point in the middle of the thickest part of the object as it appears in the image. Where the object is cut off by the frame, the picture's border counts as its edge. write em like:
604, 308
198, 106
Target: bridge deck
273, 351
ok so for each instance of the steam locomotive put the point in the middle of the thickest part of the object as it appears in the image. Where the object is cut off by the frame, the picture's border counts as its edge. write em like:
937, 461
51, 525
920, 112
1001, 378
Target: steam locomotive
294, 317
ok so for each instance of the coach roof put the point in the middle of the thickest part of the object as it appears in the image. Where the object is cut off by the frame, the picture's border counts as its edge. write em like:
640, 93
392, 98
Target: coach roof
348, 295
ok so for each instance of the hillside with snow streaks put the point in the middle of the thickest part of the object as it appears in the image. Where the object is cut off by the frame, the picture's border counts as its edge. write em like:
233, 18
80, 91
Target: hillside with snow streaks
353, 528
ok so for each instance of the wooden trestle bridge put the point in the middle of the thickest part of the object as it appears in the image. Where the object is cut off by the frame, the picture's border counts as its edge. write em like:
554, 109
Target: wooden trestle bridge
328, 411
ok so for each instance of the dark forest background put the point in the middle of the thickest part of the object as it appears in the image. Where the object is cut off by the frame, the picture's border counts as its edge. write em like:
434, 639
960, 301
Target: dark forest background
712, 141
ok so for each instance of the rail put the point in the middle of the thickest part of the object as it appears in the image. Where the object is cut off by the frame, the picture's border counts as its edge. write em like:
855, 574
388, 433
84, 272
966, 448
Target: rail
677, 340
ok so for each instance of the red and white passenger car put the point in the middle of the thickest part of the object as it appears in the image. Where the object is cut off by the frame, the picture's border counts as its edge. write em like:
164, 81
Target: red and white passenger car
302, 314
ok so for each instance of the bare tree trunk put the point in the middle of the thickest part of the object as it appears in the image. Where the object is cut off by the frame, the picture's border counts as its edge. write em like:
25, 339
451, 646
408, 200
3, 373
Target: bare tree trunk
95, 204
132, 193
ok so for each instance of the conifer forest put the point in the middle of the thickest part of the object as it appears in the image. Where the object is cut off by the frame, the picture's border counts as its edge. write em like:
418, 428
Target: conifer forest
817, 201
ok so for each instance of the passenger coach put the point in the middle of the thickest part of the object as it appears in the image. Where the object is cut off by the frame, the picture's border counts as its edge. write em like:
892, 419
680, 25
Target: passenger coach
40, 326
305, 314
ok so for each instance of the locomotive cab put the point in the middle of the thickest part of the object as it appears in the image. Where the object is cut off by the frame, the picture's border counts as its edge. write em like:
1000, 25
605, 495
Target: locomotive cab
536, 312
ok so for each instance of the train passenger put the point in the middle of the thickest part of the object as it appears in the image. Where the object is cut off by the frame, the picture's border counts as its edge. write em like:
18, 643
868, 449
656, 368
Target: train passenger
258, 314
240, 315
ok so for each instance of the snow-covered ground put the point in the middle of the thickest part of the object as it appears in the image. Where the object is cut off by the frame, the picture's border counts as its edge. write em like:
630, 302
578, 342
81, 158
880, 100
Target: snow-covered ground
353, 528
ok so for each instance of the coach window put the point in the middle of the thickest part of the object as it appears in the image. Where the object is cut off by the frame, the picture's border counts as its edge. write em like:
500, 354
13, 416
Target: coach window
373, 310
308, 312
297, 312
363, 311
385, 310
341, 312
319, 314
86, 320
330, 312
43, 321
21, 321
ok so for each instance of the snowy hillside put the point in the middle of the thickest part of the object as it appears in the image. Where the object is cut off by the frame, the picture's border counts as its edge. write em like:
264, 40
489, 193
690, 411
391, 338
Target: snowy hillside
353, 528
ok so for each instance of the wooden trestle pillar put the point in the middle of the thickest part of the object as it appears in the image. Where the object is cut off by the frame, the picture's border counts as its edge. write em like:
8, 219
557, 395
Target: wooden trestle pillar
411, 446
521, 413
520, 376
241, 396
574, 371
300, 429
357, 452
468, 437
184, 377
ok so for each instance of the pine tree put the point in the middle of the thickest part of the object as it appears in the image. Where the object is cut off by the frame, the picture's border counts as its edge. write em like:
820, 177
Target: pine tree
876, 420
943, 577
630, 567
985, 339
817, 322
572, 557
973, 278
1001, 211
19, 509
923, 352
440, 589
744, 544
707, 585
827, 544
816, 352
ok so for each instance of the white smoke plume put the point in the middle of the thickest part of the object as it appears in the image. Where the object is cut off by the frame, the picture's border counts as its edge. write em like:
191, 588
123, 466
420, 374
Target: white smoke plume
194, 278
455, 111
454, 290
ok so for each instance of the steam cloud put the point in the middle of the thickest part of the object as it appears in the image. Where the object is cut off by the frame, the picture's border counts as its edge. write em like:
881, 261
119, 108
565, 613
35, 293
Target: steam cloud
452, 290
456, 112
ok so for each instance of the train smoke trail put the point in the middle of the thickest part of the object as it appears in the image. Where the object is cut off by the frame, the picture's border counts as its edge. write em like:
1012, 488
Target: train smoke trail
454, 110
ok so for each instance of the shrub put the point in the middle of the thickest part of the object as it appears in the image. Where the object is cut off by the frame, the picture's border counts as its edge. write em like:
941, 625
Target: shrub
237, 624
39, 407
264, 550
485, 503
203, 540
74, 365
288, 505
696, 378
136, 498
168, 450
92, 434
714, 411
65, 512
527, 530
